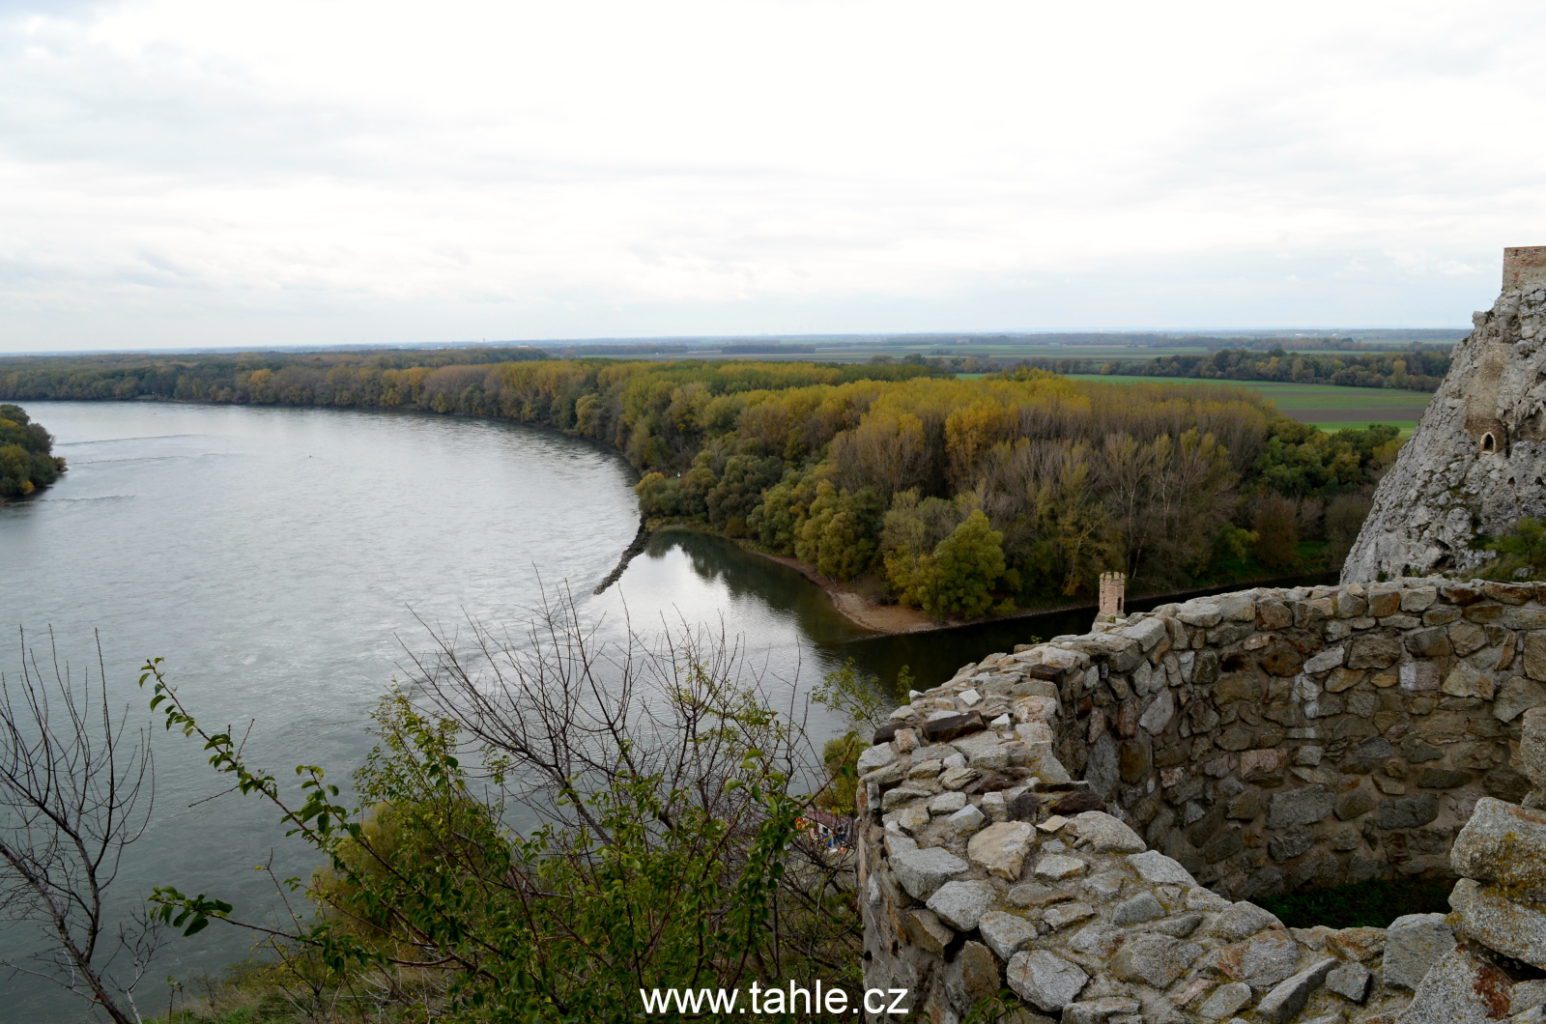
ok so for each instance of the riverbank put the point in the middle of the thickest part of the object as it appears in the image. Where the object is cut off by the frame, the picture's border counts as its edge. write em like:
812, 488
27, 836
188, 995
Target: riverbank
896, 620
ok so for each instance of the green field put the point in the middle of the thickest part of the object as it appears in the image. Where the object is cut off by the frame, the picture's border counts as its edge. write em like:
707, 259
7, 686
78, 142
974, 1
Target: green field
1327, 406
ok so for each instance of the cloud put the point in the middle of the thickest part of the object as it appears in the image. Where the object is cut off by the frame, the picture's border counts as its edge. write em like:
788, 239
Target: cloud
178, 172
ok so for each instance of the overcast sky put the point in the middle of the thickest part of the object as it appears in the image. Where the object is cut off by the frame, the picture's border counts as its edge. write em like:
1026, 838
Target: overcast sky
206, 173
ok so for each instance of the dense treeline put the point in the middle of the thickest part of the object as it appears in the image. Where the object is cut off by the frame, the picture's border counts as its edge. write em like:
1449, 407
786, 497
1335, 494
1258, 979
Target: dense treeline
340, 377
1420, 369
958, 497
27, 461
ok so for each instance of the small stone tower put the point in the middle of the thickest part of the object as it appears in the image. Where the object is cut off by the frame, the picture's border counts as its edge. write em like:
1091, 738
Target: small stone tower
1524, 266
1476, 464
1113, 597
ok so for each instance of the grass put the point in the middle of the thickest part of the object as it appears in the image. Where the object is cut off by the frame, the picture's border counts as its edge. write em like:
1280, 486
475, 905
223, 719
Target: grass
1365, 905
1328, 406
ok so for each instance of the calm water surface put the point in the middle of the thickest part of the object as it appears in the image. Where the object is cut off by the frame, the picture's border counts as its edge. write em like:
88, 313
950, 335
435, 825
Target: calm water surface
279, 560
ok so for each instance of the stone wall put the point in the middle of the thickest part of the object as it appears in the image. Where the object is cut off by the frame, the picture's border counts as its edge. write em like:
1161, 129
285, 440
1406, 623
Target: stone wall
1272, 739
1260, 739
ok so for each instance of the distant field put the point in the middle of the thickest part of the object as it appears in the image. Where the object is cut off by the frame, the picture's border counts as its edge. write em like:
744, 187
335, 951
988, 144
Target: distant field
1327, 406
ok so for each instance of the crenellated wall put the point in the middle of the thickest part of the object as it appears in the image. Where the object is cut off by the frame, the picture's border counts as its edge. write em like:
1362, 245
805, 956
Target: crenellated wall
1074, 820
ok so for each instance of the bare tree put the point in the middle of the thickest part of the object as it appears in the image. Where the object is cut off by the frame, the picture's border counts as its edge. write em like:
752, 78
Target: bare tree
76, 791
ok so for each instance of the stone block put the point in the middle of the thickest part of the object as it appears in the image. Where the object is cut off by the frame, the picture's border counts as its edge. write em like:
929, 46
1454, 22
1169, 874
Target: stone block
1373, 651
1157, 869
1535, 656
1516, 696
1305, 806
1261, 961
926, 931
1467, 638
1001, 848
1005, 933
1407, 812
1045, 980
1430, 643
1152, 959
1501, 921
1289, 996
962, 904
1532, 746
1412, 944
1461, 988
1350, 981
1099, 831
922, 871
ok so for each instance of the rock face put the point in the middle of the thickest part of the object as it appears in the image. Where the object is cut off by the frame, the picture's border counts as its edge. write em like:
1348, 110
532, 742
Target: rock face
1477, 461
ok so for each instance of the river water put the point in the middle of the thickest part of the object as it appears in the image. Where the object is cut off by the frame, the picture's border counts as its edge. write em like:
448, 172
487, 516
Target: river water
280, 561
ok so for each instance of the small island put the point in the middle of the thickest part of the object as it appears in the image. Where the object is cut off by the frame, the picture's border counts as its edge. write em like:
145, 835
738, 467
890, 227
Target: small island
27, 461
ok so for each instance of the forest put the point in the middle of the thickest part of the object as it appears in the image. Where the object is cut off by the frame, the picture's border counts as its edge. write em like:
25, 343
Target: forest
1417, 369
960, 497
27, 461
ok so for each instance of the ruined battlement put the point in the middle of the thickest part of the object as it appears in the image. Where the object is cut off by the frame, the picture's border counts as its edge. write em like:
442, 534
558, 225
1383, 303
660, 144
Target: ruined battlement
1085, 821
1524, 266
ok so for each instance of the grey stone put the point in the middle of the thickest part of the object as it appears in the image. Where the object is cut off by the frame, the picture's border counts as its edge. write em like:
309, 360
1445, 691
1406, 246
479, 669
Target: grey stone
1412, 944
1407, 812
961, 904
1506, 844
1261, 961
947, 803
1225, 1001
927, 932
983, 750
1059, 866
1137, 909
1005, 933
1151, 959
1001, 848
1306, 806
1488, 916
1461, 988
912, 819
1107, 885
1350, 981
1325, 661
1516, 696
965, 821
1156, 868
1045, 980
1065, 914
1100, 1010
1373, 651
1241, 920
1102, 833
1180, 926
876, 757
1532, 746
1288, 997
1200, 611
900, 795
1159, 713
922, 871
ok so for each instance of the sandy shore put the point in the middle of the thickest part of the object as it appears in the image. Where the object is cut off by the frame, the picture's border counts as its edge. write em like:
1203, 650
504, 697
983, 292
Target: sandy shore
891, 619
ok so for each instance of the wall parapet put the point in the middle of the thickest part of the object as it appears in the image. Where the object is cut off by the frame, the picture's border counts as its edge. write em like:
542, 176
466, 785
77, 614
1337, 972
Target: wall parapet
1083, 821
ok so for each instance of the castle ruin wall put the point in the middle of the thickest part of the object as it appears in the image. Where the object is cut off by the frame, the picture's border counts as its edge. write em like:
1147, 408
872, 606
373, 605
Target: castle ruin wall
1083, 820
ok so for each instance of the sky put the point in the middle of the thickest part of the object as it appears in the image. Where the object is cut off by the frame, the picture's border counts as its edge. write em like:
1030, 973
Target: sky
201, 173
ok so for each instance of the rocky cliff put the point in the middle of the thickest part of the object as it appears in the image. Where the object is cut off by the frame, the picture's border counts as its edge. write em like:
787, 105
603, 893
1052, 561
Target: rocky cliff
1477, 461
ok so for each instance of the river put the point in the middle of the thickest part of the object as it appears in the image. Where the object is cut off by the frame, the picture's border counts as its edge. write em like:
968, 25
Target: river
280, 560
